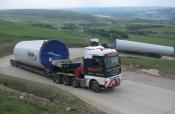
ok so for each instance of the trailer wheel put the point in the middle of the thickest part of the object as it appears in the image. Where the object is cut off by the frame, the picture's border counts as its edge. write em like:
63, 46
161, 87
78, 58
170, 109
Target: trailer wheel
13, 63
94, 86
66, 80
75, 83
57, 78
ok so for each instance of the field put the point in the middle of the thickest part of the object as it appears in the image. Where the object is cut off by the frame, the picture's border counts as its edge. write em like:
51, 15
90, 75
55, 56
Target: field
13, 32
153, 40
76, 28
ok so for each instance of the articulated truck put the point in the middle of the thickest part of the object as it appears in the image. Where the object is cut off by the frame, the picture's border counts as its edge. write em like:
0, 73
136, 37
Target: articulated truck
98, 69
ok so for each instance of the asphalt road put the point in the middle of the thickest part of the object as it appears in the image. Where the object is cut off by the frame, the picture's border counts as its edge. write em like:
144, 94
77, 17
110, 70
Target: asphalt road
138, 93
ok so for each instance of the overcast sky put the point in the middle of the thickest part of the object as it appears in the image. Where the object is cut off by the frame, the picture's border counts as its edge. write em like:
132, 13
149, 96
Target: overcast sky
36, 4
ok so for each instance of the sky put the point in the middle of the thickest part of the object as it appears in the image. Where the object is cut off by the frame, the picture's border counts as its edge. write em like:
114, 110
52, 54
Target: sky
56, 4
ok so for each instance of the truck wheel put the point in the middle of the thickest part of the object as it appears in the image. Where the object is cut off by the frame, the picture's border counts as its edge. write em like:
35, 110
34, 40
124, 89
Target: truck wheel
66, 80
94, 86
13, 63
75, 83
57, 79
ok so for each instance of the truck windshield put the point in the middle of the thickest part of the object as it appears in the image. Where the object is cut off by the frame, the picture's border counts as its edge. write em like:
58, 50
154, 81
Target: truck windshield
112, 61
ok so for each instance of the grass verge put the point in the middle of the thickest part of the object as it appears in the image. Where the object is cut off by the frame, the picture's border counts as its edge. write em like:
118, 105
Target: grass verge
166, 67
11, 104
49, 92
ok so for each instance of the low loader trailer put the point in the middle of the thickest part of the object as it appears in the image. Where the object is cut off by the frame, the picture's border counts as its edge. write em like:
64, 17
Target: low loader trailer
99, 68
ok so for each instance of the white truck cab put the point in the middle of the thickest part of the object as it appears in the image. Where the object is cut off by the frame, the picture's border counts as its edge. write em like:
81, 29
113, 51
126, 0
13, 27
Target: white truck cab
102, 67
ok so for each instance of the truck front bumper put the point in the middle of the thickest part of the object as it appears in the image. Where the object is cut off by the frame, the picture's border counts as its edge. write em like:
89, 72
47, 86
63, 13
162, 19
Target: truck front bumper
113, 81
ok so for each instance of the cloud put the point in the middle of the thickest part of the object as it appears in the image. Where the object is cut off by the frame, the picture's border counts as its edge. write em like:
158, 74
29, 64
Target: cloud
39, 3
30, 4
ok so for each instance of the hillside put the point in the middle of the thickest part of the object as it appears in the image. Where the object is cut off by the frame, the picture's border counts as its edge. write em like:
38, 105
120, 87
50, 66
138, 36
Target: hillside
76, 26
12, 32
46, 16
150, 13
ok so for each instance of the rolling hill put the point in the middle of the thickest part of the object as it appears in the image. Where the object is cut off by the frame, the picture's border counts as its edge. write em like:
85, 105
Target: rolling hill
77, 26
13, 32
146, 13
46, 16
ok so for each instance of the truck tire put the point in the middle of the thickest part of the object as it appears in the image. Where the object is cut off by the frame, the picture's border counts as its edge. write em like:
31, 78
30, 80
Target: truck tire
66, 80
94, 86
57, 78
75, 82
13, 63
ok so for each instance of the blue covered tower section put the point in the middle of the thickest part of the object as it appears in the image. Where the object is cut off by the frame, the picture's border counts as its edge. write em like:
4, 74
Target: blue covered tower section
53, 50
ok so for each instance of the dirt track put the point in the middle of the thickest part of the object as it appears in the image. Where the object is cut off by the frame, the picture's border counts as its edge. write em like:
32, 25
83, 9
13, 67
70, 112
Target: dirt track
138, 93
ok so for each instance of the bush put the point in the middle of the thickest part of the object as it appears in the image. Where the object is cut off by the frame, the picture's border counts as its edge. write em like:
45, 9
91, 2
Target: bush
111, 34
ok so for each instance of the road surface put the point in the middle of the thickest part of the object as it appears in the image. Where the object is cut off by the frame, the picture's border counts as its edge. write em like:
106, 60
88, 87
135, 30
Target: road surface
138, 93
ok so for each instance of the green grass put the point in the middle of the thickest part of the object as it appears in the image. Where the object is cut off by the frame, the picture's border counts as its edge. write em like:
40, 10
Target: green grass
53, 94
11, 32
21, 30
17, 27
10, 104
166, 32
152, 40
44, 16
166, 67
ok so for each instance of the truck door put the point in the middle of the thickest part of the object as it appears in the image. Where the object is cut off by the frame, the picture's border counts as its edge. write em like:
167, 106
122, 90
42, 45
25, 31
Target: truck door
94, 69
